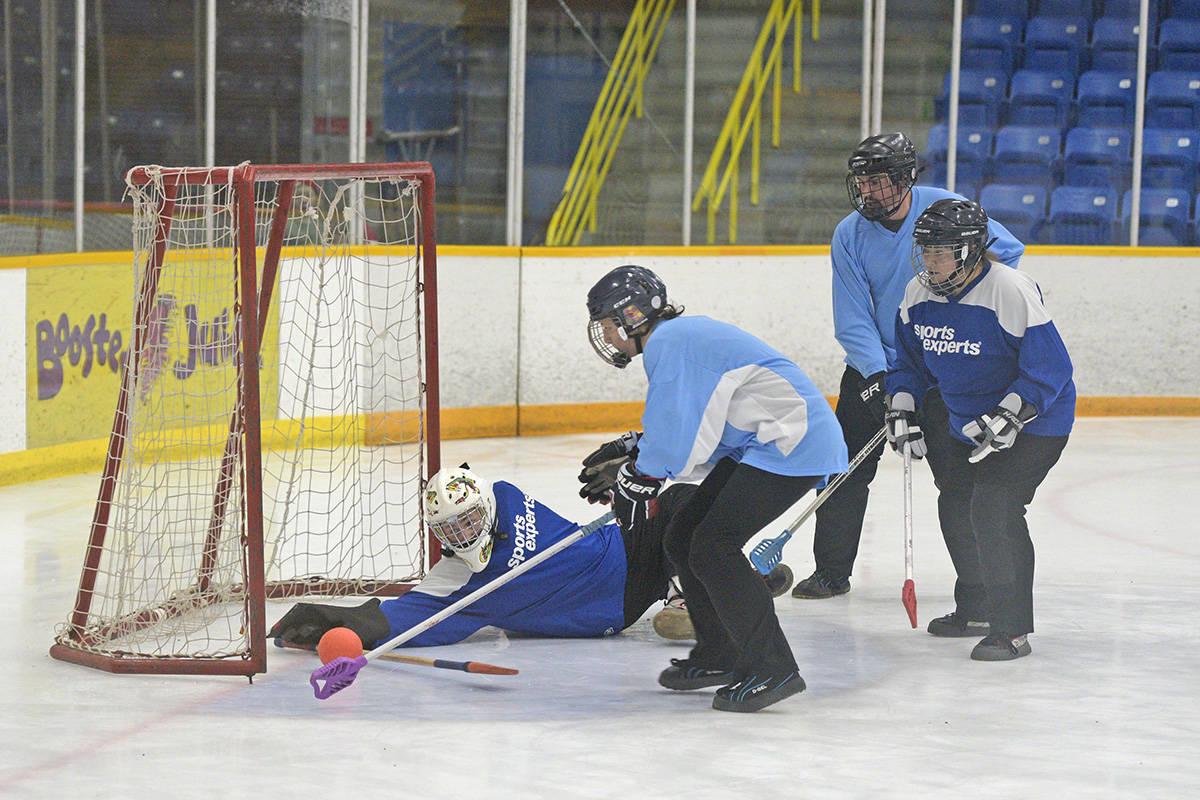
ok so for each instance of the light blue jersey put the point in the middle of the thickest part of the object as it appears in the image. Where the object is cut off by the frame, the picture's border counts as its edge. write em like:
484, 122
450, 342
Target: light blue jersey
578, 592
871, 267
993, 338
717, 391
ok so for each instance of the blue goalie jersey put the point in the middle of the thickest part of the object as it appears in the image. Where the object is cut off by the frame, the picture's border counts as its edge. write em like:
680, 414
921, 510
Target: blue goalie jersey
578, 592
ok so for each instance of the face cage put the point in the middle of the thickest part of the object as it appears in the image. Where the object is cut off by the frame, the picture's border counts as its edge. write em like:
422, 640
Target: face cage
892, 198
603, 349
965, 255
460, 532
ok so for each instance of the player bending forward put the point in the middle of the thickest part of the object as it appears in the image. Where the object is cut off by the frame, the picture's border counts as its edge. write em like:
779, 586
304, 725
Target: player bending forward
724, 406
596, 587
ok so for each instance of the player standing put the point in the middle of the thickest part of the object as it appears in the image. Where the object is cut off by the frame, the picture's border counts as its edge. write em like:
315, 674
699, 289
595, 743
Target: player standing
981, 332
723, 405
871, 253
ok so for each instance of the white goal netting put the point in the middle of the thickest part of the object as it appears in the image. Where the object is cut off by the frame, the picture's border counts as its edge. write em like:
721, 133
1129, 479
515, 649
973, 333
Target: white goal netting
338, 388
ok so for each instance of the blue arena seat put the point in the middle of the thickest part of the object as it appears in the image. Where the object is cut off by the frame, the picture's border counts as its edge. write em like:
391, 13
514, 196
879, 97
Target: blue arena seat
1097, 157
1163, 217
1019, 207
981, 95
1169, 158
1131, 9
1027, 155
998, 35
1040, 98
1065, 8
1115, 43
1082, 215
1018, 9
1179, 44
974, 144
1173, 99
1105, 99
967, 178
1055, 43
1189, 9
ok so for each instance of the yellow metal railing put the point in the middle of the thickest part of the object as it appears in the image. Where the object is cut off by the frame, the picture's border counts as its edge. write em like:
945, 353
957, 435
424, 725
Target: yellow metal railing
745, 113
620, 96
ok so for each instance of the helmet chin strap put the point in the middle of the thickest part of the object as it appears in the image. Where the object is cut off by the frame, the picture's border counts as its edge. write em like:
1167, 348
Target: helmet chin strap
639, 339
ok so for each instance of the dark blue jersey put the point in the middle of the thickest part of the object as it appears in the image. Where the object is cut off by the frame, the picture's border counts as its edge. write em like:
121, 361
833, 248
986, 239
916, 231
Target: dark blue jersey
993, 338
577, 592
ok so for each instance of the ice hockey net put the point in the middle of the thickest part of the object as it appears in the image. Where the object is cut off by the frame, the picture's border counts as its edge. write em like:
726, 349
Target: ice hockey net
277, 415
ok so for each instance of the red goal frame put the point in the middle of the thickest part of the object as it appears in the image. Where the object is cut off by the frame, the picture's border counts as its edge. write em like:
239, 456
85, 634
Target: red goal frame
244, 434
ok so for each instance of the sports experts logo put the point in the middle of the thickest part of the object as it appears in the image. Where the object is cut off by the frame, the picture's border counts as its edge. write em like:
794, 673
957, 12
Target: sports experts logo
525, 534
939, 339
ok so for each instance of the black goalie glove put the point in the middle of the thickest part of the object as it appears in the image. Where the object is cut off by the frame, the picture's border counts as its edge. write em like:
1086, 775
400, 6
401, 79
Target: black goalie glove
872, 395
599, 473
635, 497
306, 623
998, 429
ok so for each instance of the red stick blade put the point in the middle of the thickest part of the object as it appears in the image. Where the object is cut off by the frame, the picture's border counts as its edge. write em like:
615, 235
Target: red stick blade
489, 669
908, 596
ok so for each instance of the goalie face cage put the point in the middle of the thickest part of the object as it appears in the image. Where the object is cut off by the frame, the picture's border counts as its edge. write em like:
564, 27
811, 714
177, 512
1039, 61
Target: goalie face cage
276, 421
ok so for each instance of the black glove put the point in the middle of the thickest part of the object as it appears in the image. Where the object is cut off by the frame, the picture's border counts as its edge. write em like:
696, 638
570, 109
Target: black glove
635, 497
998, 429
599, 472
600, 481
306, 623
872, 395
617, 449
903, 429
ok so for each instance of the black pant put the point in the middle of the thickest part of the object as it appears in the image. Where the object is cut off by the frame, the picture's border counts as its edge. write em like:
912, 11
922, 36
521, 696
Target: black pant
731, 608
982, 513
648, 571
840, 518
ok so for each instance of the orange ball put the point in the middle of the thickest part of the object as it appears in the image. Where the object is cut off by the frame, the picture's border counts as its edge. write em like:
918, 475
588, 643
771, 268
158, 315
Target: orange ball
339, 642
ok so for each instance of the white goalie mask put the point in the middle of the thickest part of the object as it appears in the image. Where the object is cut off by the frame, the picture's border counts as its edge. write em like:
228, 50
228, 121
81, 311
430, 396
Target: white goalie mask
461, 511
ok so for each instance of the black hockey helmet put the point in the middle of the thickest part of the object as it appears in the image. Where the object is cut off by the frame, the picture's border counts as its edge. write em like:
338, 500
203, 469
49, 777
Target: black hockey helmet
634, 298
949, 228
888, 154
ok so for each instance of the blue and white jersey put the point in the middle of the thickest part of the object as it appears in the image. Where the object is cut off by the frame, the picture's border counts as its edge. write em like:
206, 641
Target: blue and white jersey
578, 592
871, 267
993, 338
717, 391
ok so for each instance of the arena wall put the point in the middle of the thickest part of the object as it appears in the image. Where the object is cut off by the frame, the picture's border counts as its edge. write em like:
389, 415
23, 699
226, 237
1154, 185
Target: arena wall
515, 359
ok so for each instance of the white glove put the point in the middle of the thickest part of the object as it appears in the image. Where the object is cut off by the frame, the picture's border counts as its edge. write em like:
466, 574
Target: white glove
998, 429
903, 429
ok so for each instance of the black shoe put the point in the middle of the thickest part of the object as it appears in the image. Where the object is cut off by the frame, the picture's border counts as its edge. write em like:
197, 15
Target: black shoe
1001, 647
955, 624
820, 585
779, 580
754, 693
682, 674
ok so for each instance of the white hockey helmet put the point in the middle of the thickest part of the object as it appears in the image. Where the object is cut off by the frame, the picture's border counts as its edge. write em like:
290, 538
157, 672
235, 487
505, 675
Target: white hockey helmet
461, 511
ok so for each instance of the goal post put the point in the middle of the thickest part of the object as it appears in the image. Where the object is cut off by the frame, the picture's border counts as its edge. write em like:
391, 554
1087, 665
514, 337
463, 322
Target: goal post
277, 416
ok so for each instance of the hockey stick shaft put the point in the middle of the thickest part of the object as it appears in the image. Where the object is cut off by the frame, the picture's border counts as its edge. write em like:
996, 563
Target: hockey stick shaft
340, 673
488, 588
768, 552
478, 667
908, 594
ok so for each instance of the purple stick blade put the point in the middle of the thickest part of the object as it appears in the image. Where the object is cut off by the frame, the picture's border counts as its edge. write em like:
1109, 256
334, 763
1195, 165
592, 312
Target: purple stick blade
337, 675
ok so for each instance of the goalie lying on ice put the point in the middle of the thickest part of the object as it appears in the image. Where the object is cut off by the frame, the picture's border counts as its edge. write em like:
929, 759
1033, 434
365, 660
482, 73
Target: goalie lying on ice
598, 586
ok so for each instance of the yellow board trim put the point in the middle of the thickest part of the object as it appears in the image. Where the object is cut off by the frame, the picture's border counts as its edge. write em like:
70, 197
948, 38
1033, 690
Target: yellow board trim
479, 422
632, 252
